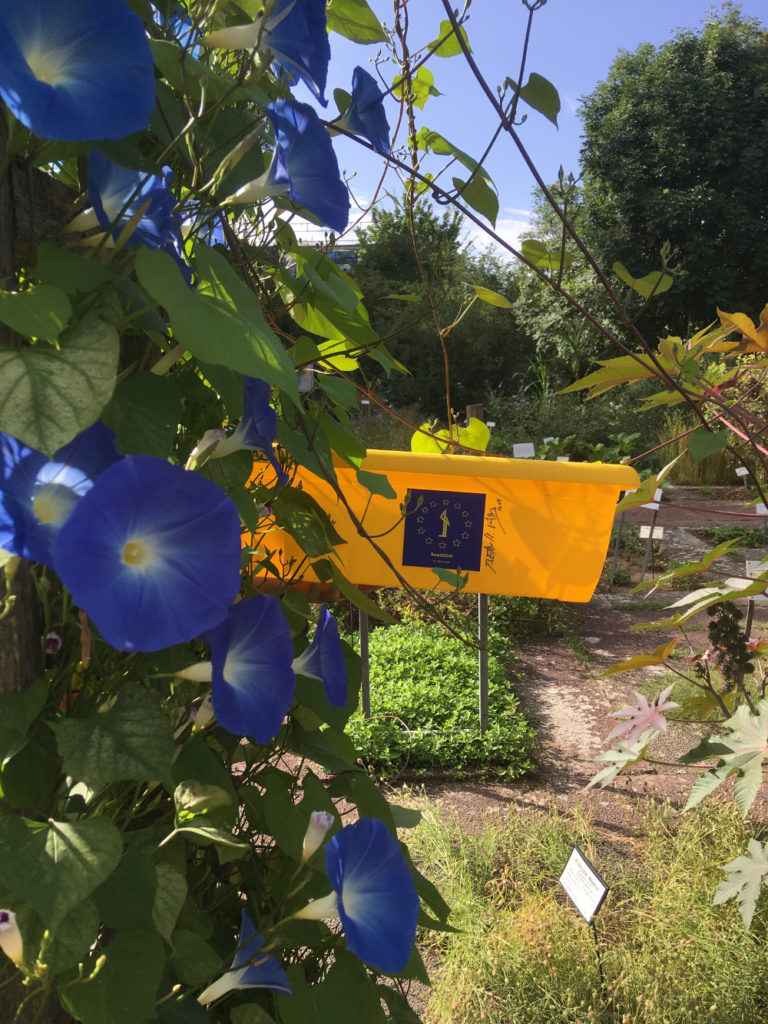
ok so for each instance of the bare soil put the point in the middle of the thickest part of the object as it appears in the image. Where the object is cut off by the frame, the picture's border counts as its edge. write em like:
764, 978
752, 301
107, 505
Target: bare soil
562, 689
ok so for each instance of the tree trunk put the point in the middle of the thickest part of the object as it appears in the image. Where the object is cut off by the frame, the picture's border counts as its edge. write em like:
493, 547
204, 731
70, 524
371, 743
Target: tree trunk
30, 203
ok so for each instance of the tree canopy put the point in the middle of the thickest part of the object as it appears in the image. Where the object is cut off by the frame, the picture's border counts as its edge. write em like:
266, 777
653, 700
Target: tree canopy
416, 276
675, 149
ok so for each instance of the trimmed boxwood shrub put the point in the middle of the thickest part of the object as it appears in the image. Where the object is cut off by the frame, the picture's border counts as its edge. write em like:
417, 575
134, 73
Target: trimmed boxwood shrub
424, 709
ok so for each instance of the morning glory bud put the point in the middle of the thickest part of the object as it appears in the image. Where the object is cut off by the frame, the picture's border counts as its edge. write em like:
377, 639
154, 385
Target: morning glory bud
204, 714
205, 447
10, 936
52, 643
319, 823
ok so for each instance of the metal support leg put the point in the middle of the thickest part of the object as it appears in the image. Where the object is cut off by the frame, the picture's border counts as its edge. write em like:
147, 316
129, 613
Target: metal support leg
365, 681
648, 546
617, 545
750, 616
482, 659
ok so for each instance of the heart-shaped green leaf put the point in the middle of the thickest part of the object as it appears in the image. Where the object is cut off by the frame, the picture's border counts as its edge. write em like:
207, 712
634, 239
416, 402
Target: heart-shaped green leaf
48, 395
56, 866
132, 740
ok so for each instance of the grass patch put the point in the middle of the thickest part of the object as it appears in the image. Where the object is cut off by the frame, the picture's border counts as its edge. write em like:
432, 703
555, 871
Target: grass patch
424, 709
524, 955
746, 536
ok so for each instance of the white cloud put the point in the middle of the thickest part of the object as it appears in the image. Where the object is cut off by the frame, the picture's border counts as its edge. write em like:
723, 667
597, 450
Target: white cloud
510, 226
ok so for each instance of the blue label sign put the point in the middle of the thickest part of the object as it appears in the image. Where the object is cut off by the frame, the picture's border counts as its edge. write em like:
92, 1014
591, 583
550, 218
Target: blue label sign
444, 530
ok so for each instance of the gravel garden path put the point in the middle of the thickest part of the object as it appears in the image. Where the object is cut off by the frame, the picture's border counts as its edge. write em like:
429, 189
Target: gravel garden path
561, 689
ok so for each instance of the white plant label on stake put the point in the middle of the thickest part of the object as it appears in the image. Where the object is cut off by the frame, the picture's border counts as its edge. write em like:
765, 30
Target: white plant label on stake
583, 885
654, 505
754, 568
657, 534
742, 471
523, 450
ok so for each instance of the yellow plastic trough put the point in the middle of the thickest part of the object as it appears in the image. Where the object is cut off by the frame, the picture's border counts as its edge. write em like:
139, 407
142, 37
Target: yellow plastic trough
515, 526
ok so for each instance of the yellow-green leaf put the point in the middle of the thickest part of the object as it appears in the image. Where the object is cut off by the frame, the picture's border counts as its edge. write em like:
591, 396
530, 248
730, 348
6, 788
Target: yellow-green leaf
478, 193
741, 322
653, 283
447, 43
476, 434
491, 297
539, 93
354, 20
422, 86
334, 354
540, 256
423, 440
658, 657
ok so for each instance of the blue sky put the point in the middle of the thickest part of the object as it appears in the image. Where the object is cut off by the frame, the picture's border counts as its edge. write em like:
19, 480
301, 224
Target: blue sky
573, 45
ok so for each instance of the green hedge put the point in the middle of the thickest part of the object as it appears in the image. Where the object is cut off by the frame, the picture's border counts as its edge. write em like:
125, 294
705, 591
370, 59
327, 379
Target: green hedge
425, 714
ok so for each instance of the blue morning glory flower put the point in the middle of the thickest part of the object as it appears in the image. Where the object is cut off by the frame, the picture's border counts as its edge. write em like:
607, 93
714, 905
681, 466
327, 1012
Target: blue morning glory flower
324, 660
256, 431
251, 657
258, 427
206, 229
151, 553
111, 186
303, 166
178, 25
37, 494
76, 69
378, 905
374, 895
250, 968
365, 114
296, 34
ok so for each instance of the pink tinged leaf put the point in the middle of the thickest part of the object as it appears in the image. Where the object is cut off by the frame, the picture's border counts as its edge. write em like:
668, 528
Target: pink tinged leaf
643, 716
744, 878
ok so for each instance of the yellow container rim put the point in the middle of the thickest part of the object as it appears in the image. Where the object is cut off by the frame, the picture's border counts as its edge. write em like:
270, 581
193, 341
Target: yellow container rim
376, 461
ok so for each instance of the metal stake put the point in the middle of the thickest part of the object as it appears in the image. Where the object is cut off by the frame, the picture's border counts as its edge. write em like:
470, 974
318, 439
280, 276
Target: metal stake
750, 616
649, 545
482, 659
365, 679
617, 545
